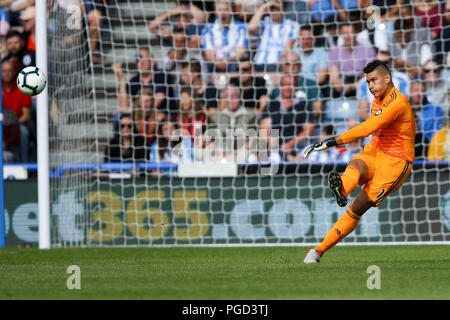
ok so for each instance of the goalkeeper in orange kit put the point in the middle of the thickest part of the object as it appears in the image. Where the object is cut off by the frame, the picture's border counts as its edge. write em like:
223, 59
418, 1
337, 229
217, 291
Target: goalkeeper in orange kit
384, 164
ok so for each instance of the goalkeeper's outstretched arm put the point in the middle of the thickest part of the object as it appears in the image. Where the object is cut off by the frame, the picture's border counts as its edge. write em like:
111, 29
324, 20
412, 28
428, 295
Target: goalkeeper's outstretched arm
360, 131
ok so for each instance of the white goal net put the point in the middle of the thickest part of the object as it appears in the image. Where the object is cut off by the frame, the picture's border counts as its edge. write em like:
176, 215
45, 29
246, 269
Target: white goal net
183, 122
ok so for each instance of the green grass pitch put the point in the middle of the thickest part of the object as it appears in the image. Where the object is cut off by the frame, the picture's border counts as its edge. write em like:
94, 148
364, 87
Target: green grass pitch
407, 272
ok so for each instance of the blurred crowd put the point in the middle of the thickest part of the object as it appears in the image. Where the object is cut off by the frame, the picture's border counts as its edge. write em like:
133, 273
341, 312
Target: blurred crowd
236, 72
18, 50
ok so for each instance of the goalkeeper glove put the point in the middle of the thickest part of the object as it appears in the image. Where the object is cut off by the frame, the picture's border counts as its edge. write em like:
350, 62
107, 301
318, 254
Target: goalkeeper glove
323, 145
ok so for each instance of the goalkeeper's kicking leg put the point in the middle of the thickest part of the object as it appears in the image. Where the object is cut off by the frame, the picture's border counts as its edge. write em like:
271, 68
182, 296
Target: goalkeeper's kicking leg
356, 172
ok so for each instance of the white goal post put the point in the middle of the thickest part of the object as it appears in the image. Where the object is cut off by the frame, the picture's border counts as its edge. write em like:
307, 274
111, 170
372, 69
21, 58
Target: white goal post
42, 130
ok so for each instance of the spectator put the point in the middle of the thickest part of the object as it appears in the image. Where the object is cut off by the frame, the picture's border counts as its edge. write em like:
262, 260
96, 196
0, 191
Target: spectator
327, 156
17, 52
28, 17
435, 85
176, 55
429, 116
128, 146
146, 116
11, 136
314, 60
431, 14
173, 61
192, 113
198, 10
439, 148
305, 89
410, 47
346, 62
22, 57
291, 65
277, 35
186, 18
232, 114
224, 41
355, 18
14, 8
149, 76
170, 147
365, 97
15, 100
4, 29
144, 110
290, 116
203, 90
95, 12
253, 88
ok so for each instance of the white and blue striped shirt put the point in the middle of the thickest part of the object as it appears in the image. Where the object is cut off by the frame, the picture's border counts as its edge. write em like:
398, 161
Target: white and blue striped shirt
273, 39
223, 41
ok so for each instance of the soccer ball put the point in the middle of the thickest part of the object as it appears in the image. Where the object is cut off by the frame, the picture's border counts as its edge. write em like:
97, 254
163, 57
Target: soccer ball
31, 81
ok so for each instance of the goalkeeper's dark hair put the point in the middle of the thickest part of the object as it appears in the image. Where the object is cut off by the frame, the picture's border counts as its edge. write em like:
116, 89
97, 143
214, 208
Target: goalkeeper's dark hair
378, 65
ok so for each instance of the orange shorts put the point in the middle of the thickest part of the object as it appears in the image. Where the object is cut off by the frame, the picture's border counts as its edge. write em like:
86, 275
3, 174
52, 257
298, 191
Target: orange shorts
386, 173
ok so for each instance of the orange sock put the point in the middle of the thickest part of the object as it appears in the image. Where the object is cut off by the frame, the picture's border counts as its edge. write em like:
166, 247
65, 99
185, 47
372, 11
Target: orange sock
343, 227
350, 179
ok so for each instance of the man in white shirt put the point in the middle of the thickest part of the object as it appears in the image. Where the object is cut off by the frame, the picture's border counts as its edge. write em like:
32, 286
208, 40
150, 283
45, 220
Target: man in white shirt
225, 41
277, 35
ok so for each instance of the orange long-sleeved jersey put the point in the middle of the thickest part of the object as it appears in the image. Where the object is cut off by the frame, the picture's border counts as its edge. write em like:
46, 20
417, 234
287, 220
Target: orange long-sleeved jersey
391, 124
